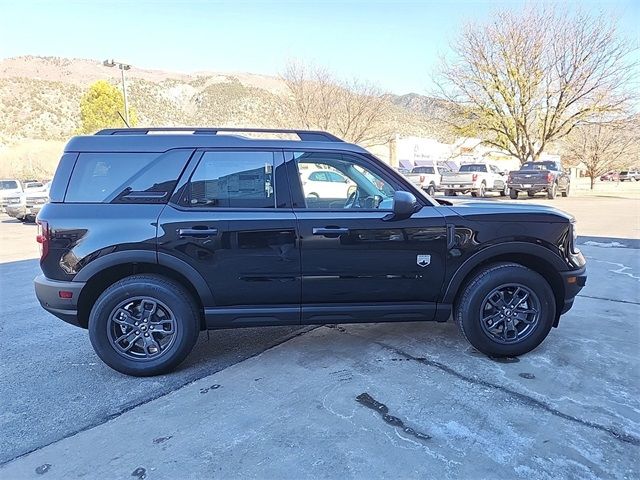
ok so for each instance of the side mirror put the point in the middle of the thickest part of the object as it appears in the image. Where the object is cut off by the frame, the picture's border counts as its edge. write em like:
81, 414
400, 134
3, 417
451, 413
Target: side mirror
404, 205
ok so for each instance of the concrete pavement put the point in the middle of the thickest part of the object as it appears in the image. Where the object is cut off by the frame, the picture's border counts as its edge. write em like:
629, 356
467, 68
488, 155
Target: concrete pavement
569, 409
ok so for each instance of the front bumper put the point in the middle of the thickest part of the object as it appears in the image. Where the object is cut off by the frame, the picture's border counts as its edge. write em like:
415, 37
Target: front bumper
573, 281
48, 294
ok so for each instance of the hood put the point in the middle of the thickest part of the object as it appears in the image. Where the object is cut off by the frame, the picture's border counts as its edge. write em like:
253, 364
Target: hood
488, 208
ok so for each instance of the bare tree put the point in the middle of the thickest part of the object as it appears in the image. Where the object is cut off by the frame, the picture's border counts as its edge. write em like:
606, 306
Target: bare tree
353, 110
527, 79
603, 146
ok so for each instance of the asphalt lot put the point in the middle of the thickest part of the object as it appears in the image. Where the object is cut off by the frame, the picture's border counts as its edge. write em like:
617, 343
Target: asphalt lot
570, 408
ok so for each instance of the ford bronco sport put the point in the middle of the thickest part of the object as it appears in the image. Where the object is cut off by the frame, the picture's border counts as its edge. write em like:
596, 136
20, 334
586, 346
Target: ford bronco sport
149, 239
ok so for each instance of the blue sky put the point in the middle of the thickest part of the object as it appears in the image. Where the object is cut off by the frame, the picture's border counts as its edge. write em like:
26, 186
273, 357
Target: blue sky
392, 44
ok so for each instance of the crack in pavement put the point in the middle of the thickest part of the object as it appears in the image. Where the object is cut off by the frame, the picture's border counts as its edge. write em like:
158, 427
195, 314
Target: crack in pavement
127, 408
609, 299
529, 401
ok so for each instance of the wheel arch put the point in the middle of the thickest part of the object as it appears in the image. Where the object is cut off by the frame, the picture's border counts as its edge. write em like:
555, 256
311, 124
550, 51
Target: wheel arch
98, 280
535, 257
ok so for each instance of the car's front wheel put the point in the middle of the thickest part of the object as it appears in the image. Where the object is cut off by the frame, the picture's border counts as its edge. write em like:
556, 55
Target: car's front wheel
506, 310
144, 325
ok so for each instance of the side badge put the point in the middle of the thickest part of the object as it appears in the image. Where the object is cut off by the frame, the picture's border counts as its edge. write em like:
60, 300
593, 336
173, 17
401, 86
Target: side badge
423, 260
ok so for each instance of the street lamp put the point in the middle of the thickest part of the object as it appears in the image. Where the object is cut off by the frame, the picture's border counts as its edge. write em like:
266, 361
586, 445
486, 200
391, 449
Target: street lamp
122, 66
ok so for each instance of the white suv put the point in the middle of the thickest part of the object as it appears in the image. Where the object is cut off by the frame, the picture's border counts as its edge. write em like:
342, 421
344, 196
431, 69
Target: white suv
324, 184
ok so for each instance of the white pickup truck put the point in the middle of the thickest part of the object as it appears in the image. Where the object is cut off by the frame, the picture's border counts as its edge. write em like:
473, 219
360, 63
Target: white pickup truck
477, 178
427, 177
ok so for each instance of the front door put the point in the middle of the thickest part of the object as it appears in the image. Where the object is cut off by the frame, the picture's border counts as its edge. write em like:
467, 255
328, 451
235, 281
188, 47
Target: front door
233, 223
359, 264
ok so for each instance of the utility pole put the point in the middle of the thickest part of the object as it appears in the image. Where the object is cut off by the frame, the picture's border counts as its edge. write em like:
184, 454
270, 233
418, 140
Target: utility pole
122, 66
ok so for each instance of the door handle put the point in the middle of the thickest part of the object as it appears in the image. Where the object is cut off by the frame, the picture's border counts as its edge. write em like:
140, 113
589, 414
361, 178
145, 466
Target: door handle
197, 232
330, 231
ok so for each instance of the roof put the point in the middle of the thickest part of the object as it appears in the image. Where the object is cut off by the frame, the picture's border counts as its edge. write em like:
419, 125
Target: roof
142, 140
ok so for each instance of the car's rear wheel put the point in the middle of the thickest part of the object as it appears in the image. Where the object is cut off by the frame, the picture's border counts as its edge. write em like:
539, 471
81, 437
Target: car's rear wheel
431, 190
504, 191
144, 325
513, 194
566, 192
506, 310
552, 191
480, 192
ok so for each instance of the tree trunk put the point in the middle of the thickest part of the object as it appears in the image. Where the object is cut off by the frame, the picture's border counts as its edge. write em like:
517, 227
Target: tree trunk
593, 179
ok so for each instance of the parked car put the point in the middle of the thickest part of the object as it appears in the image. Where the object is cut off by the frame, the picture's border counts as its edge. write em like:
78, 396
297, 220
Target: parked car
427, 177
477, 178
629, 175
536, 177
26, 205
324, 184
33, 186
610, 177
9, 189
149, 239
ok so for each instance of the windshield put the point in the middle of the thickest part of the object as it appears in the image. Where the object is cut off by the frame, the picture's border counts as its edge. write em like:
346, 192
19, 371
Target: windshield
473, 168
8, 184
33, 185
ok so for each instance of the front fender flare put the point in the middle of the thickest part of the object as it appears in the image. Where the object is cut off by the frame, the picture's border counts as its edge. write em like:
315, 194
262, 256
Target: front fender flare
496, 250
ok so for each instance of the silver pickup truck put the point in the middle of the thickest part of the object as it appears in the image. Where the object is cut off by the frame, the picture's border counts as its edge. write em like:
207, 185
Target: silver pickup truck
477, 178
427, 177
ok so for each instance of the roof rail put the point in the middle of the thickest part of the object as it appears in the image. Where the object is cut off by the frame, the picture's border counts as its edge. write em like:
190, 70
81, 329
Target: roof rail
303, 135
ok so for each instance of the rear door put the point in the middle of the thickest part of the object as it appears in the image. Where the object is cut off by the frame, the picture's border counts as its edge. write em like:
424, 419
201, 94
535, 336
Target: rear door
232, 221
357, 263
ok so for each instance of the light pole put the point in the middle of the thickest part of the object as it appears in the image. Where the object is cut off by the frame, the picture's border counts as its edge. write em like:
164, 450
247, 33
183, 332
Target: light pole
122, 66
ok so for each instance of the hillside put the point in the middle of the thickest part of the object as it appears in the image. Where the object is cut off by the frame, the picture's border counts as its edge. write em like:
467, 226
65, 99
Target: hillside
40, 99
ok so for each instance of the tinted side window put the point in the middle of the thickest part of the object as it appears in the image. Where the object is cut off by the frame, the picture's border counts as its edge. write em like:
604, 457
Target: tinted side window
233, 179
125, 177
364, 188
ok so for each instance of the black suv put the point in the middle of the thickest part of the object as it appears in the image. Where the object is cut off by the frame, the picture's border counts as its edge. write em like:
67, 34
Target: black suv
149, 239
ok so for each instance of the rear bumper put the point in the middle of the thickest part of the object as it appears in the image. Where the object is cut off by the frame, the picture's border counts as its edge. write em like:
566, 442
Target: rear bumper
573, 281
48, 294
529, 187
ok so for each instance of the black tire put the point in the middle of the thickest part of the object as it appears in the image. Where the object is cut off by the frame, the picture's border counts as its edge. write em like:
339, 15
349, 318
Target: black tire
431, 190
565, 194
531, 194
513, 194
552, 191
168, 294
472, 304
504, 191
482, 191
451, 193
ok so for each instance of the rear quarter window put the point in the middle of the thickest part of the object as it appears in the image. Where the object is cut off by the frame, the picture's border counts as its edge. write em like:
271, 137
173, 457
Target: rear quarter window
125, 177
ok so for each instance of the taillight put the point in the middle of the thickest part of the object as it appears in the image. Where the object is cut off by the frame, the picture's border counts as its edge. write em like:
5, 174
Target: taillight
549, 177
43, 238
474, 177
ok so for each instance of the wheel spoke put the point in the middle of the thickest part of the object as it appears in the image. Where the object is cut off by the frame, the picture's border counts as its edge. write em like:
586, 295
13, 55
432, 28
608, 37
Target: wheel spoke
123, 317
161, 326
151, 346
523, 315
500, 302
131, 344
493, 320
517, 301
510, 332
